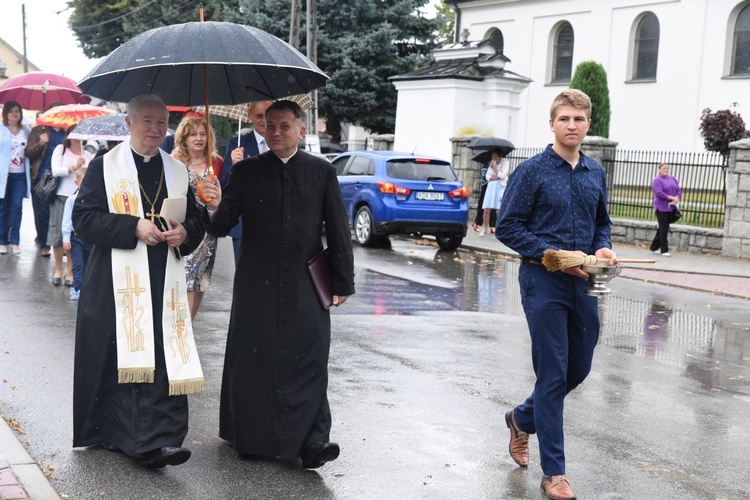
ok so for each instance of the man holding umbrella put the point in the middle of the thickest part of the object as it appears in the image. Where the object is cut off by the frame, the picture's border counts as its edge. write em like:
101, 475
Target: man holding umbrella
129, 391
273, 394
251, 144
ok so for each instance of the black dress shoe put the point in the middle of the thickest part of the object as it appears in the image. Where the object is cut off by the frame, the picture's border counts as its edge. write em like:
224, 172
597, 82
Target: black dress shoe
166, 455
109, 447
317, 454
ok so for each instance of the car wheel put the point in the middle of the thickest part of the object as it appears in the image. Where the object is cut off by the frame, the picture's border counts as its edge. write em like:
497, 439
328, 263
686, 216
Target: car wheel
364, 228
449, 242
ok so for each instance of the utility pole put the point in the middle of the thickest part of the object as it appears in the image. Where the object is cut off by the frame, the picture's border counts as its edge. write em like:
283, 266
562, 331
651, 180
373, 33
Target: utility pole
23, 22
294, 24
312, 54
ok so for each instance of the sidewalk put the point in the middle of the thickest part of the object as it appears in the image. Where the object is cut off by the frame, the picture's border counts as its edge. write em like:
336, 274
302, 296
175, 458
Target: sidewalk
20, 476
708, 273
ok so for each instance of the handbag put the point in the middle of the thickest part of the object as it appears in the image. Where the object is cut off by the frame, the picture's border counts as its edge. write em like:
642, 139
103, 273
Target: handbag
46, 188
675, 215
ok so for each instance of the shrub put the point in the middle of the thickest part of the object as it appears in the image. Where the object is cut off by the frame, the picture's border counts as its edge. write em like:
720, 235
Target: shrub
591, 78
720, 128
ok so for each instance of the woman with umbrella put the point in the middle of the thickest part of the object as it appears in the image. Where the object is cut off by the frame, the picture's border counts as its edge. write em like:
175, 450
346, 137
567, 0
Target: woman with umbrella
497, 177
67, 158
191, 148
14, 176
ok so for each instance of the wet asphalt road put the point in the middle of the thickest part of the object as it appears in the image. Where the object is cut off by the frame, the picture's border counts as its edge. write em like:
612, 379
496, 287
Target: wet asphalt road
426, 358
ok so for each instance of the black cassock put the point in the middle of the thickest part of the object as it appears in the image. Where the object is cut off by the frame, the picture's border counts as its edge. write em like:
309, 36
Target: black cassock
273, 392
135, 418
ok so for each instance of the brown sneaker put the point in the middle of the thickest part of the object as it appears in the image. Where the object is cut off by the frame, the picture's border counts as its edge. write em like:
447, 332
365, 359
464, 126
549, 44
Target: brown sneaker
519, 441
557, 488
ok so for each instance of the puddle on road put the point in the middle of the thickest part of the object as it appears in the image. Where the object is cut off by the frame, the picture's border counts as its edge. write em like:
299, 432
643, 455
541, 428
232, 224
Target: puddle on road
644, 321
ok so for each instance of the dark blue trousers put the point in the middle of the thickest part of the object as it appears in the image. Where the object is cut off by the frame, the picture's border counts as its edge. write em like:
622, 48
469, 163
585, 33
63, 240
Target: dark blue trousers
11, 209
564, 326
79, 253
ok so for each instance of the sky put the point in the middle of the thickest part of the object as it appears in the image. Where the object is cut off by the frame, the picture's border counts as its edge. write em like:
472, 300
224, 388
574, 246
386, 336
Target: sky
50, 43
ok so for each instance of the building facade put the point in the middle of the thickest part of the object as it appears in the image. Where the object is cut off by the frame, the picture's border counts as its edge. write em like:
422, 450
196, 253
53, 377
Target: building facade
666, 60
11, 62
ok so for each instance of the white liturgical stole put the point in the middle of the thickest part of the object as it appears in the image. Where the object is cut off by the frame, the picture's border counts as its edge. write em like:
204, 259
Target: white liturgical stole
132, 286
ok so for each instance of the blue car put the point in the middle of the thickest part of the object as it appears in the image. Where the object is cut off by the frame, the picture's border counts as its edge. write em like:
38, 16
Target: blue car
398, 193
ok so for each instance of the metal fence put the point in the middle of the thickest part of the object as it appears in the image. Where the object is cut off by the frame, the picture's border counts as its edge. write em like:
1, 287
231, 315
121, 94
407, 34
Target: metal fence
701, 177
629, 175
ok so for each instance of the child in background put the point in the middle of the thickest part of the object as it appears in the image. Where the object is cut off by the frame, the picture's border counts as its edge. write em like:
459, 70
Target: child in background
79, 251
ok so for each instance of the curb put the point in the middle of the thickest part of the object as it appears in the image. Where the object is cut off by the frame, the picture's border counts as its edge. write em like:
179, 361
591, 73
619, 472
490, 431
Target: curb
16, 464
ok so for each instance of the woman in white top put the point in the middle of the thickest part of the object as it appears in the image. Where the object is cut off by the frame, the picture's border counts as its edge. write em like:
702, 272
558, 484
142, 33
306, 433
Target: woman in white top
14, 176
497, 177
67, 158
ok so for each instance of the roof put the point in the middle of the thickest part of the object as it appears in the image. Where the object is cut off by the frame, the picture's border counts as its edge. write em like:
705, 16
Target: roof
32, 66
469, 60
390, 155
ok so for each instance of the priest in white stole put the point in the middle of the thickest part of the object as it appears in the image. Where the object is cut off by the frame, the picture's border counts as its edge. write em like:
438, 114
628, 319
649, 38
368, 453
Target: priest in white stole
135, 357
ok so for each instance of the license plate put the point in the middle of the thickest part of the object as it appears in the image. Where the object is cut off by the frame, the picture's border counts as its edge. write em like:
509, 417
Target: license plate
429, 195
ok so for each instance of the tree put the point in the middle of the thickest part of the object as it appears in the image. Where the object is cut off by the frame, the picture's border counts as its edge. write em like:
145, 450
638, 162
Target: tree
101, 27
591, 78
361, 43
720, 128
447, 19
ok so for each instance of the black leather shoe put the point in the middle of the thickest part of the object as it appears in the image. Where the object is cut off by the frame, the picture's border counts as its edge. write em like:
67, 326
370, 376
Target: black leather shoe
317, 454
109, 447
166, 455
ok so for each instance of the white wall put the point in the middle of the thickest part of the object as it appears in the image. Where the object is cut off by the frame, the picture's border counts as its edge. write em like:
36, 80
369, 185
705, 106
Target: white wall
661, 115
429, 113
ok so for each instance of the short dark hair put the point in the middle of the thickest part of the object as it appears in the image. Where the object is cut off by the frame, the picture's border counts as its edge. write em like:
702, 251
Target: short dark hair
7, 108
292, 106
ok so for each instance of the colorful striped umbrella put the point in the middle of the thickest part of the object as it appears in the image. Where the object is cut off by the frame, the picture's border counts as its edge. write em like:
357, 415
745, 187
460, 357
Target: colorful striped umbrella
71, 114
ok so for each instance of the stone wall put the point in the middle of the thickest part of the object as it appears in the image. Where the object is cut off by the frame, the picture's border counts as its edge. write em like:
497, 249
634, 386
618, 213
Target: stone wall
737, 219
468, 170
681, 237
381, 142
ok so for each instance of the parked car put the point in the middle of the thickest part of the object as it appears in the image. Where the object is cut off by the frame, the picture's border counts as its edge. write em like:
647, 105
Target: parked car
398, 193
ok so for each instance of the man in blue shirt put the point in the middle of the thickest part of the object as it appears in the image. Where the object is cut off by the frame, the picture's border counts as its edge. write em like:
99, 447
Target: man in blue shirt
556, 199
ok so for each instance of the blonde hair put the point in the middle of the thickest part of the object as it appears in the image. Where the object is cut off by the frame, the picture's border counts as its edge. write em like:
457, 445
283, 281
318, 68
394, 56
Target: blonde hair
188, 126
571, 97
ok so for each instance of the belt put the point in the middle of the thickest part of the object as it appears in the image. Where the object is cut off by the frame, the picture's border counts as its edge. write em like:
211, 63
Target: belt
524, 260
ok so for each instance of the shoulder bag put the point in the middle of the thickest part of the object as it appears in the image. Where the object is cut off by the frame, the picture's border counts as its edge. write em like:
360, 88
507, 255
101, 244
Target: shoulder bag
46, 188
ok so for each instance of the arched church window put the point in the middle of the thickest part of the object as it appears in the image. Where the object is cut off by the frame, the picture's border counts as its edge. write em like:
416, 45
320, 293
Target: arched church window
646, 48
562, 64
741, 44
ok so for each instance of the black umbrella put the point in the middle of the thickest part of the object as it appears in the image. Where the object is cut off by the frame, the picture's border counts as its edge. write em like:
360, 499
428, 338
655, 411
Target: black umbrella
241, 64
487, 144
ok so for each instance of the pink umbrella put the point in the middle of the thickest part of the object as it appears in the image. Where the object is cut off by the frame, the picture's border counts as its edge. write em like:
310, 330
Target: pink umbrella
36, 90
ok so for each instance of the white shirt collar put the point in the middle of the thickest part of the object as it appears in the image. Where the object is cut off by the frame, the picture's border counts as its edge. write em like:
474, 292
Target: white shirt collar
261, 142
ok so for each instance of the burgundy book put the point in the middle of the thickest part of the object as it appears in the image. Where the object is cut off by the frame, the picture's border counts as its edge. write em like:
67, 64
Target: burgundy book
320, 273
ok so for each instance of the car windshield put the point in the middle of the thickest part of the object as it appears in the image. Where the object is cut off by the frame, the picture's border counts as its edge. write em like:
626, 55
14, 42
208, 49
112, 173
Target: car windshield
421, 170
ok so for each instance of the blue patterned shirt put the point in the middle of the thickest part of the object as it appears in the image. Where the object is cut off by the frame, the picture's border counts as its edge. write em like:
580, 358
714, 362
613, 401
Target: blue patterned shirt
549, 205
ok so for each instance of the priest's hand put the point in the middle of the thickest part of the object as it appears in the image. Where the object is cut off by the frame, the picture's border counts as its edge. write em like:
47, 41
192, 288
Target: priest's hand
212, 189
175, 236
148, 232
339, 299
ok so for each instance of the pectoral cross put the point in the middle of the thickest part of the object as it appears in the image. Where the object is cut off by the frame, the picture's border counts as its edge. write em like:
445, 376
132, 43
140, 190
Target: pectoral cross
152, 214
